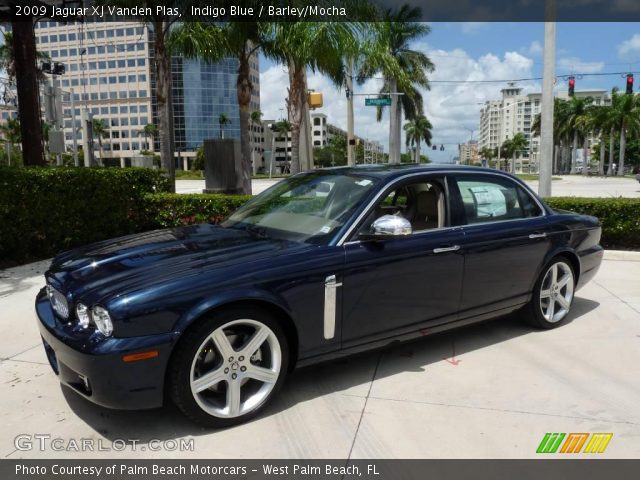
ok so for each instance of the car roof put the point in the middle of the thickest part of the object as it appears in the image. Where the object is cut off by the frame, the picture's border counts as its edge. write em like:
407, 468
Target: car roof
388, 171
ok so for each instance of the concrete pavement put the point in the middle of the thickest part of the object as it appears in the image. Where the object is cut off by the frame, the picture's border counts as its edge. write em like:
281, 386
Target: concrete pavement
487, 391
569, 185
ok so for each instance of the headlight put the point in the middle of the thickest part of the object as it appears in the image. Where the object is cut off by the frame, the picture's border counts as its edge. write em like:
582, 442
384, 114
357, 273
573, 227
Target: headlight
102, 319
82, 312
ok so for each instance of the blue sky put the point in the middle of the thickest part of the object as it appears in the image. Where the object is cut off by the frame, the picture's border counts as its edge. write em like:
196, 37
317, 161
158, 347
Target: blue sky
481, 51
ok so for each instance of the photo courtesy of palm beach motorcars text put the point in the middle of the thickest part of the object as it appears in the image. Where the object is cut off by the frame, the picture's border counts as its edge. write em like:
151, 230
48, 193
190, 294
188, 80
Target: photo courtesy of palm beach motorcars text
329, 239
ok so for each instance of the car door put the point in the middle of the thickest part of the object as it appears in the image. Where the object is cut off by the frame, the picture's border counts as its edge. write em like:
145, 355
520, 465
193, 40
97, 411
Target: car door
405, 283
505, 241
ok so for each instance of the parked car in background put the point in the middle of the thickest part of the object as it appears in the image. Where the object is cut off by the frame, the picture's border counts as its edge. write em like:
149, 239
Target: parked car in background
323, 264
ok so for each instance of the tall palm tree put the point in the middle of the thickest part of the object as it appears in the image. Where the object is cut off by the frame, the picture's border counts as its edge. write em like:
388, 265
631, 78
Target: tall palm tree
256, 122
100, 129
577, 115
559, 132
11, 134
625, 115
149, 131
487, 154
517, 145
319, 46
223, 120
417, 130
404, 70
601, 124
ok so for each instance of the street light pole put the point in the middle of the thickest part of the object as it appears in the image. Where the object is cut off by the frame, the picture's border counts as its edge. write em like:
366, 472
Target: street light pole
546, 115
351, 161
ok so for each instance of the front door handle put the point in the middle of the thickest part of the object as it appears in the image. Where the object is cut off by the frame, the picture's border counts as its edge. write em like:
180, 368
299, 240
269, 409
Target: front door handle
446, 249
537, 235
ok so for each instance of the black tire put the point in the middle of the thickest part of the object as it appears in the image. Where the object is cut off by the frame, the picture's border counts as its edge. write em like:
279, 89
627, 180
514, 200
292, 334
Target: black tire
532, 313
179, 370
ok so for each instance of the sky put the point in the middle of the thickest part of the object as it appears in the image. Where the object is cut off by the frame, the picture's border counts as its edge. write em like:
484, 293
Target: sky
476, 51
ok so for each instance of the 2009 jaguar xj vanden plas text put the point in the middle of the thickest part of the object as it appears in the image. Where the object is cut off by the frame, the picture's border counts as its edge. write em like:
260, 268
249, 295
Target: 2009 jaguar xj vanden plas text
323, 264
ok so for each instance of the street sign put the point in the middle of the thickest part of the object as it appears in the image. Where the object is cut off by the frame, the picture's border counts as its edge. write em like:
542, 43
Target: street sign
377, 102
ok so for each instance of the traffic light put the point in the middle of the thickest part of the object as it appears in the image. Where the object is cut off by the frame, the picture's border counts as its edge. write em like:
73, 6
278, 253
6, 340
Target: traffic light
572, 86
441, 147
629, 83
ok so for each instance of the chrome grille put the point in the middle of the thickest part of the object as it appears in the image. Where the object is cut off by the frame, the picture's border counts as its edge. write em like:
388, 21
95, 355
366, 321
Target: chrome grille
58, 302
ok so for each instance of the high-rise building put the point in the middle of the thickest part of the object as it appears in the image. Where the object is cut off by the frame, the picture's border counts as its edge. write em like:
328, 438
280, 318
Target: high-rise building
514, 113
468, 153
109, 70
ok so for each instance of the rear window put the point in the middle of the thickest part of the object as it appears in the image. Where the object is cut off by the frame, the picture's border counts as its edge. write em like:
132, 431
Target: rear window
487, 199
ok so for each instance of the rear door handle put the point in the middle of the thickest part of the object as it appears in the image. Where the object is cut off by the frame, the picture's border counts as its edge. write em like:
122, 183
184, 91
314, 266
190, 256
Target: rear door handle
446, 249
537, 235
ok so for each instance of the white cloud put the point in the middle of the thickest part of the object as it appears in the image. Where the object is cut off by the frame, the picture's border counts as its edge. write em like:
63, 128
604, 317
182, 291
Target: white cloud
629, 49
472, 27
535, 49
452, 108
575, 65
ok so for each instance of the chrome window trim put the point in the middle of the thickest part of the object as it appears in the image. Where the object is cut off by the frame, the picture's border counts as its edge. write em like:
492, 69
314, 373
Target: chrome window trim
342, 240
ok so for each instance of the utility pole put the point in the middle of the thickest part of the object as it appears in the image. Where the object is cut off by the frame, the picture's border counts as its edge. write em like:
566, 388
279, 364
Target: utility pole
351, 161
546, 116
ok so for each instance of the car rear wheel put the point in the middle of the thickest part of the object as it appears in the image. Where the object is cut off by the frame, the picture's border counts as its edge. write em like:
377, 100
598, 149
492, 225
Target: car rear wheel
553, 295
226, 369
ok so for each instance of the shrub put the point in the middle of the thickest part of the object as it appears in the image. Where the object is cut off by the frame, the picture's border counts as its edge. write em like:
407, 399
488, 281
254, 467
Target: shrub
172, 210
620, 218
46, 210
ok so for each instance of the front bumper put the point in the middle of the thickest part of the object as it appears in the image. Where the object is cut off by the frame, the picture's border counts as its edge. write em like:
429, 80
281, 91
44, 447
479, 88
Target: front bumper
92, 365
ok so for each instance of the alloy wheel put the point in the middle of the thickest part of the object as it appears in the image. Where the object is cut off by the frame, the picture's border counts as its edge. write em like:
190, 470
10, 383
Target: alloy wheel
556, 292
236, 368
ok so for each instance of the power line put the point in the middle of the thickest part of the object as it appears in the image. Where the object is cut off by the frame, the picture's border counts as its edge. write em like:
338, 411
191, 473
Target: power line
531, 79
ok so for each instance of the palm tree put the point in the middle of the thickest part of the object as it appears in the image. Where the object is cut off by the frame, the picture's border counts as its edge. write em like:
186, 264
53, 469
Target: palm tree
625, 115
601, 123
11, 134
559, 132
149, 131
404, 70
319, 46
256, 122
100, 130
417, 130
517, 145
8, 59
223, 120
488, 154
577, 117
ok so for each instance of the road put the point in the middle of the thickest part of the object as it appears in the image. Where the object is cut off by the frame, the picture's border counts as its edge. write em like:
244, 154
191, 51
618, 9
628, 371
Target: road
569, 185
486, 391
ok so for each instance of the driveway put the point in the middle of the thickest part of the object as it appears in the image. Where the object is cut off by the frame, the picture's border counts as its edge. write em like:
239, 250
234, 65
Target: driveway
487, 391
569, 185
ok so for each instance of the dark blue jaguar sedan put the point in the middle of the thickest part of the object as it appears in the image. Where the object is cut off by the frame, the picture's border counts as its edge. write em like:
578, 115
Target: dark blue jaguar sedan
323, 264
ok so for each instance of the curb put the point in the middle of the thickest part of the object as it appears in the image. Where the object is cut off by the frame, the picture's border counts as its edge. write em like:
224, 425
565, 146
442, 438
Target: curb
621, 255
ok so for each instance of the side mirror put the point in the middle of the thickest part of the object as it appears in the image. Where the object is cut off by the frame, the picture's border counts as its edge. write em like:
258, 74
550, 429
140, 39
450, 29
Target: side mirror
388, 226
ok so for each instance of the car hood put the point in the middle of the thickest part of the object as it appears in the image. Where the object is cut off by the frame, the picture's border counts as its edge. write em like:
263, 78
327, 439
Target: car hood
143, 260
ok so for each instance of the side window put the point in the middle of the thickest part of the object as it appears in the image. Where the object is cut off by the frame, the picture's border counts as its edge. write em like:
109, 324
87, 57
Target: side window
422, 203
486, 199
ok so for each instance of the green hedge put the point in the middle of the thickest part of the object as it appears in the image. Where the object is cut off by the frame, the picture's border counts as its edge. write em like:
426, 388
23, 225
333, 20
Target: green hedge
46, 210
172, 210
620, 218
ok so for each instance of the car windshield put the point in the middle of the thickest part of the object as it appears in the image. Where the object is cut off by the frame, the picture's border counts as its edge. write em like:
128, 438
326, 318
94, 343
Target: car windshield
308, 208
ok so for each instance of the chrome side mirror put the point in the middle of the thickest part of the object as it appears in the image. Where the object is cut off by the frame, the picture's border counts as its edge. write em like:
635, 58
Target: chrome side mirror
389, 226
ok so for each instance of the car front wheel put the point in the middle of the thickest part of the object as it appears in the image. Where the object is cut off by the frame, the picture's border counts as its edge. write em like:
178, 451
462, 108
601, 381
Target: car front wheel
226, 369
552, 295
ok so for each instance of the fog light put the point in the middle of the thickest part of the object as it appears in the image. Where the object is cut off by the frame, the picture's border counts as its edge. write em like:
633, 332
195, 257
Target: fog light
102, 319
82, 312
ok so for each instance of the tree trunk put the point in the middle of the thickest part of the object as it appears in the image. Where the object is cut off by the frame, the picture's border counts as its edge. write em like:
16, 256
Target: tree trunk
556, 158
418, 151
623, 147
394, 124
24, 47
295, 101
163, 95
602, 155
244, 89
513, 163
585, 156
612, 149
574, 152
